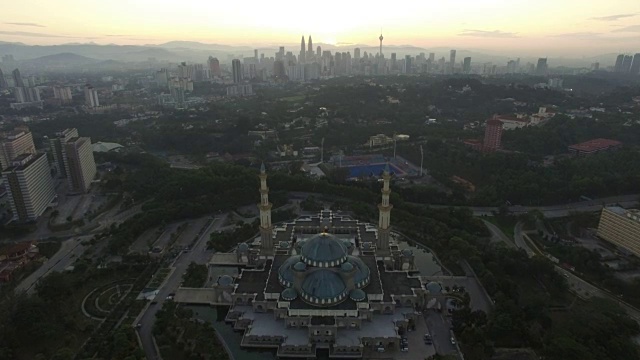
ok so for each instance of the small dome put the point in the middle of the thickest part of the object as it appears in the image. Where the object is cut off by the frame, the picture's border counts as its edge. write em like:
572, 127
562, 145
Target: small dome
357, 295
289, 294
285, 272
324, 285
243, 247
225, 280
300, 266
366, 246
434, 288
362, 274
323, 250
348, 244
346, 267
284, 244
407, 252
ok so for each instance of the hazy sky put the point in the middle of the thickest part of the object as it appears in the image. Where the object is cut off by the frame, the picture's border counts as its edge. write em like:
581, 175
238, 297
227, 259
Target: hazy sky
542, 27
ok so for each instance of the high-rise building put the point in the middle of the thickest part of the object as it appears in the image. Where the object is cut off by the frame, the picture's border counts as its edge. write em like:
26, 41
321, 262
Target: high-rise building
255, 54
356, 53
214, 66
79, 164
626, 64
492, 135
635, 65
3, 81
432, 57
318, 51
303, 49
62, 93
56, 145
407, 64
17, 79
310, 49
618, 66
452, 61
621, 227
279, 71
91, 96
542, 67
14, 144
380, 52
236, 70
466, 65
30, 186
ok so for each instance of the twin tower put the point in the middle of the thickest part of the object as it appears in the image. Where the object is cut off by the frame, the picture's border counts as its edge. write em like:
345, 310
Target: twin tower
266, 229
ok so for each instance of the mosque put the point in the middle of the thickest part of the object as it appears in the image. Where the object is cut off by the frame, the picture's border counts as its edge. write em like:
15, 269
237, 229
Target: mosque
323, 283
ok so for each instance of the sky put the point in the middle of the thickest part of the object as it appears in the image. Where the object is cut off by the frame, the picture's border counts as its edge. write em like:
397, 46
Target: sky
533, 27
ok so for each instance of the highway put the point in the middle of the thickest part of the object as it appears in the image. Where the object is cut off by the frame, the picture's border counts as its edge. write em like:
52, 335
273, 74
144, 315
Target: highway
70, 250
577, 285
198, 254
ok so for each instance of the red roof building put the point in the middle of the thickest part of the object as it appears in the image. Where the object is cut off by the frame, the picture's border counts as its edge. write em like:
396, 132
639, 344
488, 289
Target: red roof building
594, 146
492, 135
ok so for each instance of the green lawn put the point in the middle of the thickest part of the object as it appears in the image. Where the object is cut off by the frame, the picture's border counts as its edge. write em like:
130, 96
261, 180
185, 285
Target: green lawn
506, 224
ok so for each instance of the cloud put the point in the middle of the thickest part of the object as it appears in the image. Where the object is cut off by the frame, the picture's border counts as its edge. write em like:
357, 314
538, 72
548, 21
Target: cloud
32, 34
24, 24
613, 17
632, 28
579, 35
489, 34
116, 35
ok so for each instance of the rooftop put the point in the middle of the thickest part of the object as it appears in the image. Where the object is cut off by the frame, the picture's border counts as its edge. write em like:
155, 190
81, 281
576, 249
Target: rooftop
595, 145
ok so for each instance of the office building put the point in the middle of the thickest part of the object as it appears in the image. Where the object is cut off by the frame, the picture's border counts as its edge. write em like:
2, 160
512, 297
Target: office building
466, 65
319, 51
236, 70
56, 145
29, 186
214, 66
626, 64
407, 64
618, 66
452, 61
621, 227
91, 96
3, 81
492, 135
541, 67
356, 53
310, 49
14, 144
79, 164
635, 65
17, 79
302, 56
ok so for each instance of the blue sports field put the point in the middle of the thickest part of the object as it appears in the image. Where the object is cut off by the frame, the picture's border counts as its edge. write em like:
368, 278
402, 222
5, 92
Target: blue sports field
371, 170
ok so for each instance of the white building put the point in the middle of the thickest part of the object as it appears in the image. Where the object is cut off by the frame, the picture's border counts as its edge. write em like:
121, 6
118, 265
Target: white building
79, 164
91, 96
29, 185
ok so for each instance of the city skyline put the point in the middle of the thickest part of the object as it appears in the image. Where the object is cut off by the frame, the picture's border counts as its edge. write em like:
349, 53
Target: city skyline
493, 25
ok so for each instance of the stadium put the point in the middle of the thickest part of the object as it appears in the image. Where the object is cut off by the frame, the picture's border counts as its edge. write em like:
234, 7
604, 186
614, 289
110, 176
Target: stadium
366, 166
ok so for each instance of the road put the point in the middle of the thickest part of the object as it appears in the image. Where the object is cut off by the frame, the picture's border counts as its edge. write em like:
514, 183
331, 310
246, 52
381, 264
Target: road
497, 235
577, 285
70, 250
440, 330
198, 254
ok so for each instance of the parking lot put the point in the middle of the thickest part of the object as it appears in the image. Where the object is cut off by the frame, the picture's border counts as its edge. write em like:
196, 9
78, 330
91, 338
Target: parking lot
418, 350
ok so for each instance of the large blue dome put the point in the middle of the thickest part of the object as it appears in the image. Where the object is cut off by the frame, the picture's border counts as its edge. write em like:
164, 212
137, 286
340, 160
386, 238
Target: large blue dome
324, 250
323, 287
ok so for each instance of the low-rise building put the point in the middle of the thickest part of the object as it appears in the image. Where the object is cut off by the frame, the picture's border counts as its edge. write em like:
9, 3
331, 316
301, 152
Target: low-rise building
621, 227
594, 146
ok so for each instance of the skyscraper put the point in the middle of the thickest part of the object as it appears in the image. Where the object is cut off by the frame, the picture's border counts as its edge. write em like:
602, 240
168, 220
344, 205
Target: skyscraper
466, 65
310, 50
14, 144
407, 64
56, 144
30, 186
79, 164
492, 135
542, 67
618, 66
236, 70
318, 51
255, 54
3, 81
63, 93
452, 61
635, 66
626, 63
214, 66
303, 55
17, 78
356, 53
91, 96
